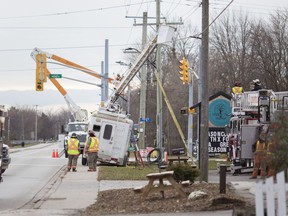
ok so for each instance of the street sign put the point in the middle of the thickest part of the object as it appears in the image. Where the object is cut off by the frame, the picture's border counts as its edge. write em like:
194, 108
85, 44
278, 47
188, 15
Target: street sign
148, 120
55, 76
145, 120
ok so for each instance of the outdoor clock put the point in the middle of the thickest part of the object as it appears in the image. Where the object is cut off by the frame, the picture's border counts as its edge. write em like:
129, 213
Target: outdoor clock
219, 112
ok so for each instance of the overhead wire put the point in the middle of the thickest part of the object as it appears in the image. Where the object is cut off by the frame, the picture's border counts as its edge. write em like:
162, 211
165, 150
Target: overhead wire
189, 14
74, 12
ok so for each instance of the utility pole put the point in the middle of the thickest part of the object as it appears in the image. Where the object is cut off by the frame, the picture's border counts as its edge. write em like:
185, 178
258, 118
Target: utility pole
204, 127
190, 115
158, 68
143, 89
106, 69
103, 98
159, 94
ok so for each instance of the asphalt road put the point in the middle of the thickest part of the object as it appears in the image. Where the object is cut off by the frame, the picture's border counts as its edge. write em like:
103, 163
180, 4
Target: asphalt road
28, 173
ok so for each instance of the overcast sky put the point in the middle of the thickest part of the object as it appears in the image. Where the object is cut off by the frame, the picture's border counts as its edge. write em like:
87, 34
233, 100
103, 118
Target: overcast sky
76, 30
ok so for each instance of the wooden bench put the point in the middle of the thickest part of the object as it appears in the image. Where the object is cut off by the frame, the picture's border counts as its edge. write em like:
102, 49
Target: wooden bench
160, 186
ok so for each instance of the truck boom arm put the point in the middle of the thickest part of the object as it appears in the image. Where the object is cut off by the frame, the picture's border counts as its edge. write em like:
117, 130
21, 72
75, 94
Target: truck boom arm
78, 113
68, 63
143, 56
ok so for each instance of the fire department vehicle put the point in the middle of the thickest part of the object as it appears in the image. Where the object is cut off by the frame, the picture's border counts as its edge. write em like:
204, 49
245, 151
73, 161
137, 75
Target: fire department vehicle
252, 113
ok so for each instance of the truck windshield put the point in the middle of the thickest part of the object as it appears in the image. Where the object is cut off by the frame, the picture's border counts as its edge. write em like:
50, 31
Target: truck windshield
77, 127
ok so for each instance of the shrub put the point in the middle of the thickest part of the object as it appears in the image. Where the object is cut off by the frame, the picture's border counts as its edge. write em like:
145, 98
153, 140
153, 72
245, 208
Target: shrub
183, 172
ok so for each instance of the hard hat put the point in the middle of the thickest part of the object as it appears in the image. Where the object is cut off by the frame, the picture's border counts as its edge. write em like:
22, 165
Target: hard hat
73, 135
237, 83
256, 81
262, 137
91, 132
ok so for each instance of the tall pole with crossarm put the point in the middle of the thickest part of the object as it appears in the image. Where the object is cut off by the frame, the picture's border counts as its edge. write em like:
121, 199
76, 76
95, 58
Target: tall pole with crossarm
205, 91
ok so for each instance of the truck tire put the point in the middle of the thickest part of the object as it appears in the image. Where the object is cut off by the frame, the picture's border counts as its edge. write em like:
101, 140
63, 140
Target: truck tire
150, 159
126, 159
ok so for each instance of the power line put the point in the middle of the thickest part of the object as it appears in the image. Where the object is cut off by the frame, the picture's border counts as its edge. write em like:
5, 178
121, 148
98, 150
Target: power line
57, 48
74, 12
65, 27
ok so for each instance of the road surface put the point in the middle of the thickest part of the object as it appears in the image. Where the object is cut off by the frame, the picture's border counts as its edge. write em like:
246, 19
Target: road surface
31, 170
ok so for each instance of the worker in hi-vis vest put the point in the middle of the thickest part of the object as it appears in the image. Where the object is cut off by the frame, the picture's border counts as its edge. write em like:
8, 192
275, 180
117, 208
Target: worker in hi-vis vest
91, 148
271, 149
237, 89
73, 152
260, 157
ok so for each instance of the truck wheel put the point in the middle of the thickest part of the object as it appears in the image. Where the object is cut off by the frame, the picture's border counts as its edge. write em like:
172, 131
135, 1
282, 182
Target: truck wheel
150, 157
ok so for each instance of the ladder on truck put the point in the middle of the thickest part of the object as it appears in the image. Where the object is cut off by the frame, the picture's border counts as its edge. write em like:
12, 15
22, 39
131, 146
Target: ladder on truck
143, 56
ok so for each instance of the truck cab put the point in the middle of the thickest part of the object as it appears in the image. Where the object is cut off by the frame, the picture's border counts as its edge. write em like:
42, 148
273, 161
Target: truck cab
80, 129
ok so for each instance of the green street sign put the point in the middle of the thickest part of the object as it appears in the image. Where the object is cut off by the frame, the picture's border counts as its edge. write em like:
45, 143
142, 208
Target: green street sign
55, 76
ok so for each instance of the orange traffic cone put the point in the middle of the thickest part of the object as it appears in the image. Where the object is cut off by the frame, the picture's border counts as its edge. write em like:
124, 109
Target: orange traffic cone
53, 153
56, 154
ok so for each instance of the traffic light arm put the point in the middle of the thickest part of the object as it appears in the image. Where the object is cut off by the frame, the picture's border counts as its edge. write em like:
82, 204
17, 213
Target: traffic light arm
67, 63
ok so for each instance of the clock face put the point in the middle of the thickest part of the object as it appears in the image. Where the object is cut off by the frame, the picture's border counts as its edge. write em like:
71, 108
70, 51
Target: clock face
219, 112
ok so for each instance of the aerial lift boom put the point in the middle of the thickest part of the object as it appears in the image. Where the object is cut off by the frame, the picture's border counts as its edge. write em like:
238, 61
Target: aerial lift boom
67, 63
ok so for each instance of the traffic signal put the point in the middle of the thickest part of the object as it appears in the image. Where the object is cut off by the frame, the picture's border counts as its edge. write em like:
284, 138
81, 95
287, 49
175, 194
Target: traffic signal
184, 71
191, 110
39, 86
41, 68
183, 111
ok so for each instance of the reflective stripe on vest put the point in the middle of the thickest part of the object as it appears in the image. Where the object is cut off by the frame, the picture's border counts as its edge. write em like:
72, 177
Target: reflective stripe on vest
237, 90
73, 145
260, 146
94, 144
270, 149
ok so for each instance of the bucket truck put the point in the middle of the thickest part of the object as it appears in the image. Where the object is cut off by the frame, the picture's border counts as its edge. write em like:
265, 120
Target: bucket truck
110, 123
79, 125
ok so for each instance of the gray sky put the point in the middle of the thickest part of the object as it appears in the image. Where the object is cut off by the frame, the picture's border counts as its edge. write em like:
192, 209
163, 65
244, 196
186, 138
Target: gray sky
76, 30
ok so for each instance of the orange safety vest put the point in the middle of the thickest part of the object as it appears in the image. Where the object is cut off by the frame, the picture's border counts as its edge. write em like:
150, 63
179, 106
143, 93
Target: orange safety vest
94, 144
237, 90
271, 148
260, 146
73, 146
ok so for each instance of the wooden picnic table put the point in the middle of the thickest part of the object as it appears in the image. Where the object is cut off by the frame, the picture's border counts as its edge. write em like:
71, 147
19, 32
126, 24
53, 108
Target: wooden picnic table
160, 186
172, 159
